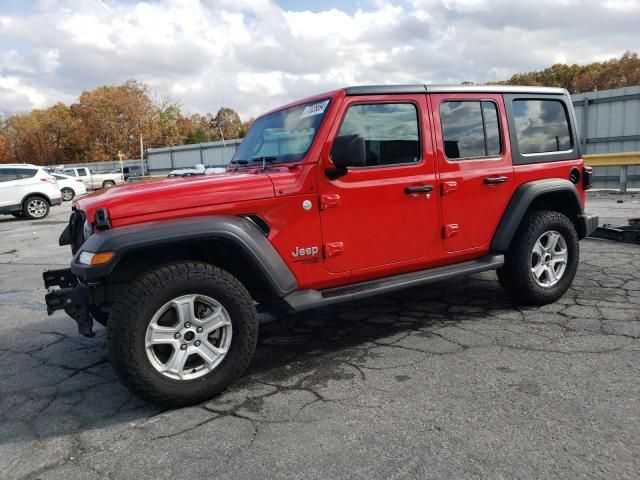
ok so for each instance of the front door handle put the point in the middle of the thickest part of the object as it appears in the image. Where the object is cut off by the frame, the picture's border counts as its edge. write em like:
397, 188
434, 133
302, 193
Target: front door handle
418, 189
494, 180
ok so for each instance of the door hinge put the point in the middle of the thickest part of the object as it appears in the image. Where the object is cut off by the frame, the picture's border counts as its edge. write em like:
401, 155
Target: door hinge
449, 187
329, 200
450, 230
333, 249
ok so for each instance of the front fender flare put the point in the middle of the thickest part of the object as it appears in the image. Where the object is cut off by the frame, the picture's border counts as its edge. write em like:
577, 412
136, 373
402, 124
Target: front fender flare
237, 230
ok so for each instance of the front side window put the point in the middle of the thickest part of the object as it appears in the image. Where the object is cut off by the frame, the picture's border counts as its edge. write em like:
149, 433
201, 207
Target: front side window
390, 131
282, 136
82, 172
470, 129
541, 126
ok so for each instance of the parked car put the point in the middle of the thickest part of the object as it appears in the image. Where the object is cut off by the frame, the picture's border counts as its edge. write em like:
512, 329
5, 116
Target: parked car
27, 191
350, 194
95, 181
132, 171
70, 187
198, 169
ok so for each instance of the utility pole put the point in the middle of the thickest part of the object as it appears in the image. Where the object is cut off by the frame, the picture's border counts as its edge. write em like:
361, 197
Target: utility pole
141, 157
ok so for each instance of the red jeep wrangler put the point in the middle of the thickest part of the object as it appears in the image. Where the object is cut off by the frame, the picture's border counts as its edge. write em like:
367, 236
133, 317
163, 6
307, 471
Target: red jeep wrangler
344, 195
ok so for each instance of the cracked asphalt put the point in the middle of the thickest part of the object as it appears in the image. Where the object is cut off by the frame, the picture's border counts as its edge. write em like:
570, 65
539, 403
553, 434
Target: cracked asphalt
445, 381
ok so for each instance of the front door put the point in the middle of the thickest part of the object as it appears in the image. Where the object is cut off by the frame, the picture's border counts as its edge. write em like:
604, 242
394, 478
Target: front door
382, 212
474, 163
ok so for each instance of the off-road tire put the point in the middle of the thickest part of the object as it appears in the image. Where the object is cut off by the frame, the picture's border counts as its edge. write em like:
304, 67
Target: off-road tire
130, 317
108, 184
516, 276
67, 194
43, 206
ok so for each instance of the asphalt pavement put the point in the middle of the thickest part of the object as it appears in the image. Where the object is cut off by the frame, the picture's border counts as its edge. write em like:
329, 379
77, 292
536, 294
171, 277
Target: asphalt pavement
443, 381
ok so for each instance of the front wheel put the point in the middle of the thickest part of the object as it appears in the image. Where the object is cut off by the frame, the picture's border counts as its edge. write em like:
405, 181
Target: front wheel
542, 259
182, 333
108, 184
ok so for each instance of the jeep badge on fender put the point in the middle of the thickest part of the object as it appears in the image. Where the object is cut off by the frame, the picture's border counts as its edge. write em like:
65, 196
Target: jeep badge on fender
178, 294
301, 252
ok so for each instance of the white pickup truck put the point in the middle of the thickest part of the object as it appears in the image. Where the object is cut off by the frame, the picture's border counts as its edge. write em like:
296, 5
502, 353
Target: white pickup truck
94, 181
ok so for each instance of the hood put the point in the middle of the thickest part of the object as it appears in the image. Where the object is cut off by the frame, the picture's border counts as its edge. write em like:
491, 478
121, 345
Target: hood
177, 193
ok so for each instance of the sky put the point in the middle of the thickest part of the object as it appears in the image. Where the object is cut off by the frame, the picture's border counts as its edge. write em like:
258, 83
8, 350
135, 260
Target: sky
253, 55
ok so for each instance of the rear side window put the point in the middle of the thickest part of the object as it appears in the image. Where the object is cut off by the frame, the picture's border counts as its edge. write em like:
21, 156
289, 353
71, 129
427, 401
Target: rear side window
26, 172
541, 126
82, 172
71, 173
7, 174
470, 129
390, 131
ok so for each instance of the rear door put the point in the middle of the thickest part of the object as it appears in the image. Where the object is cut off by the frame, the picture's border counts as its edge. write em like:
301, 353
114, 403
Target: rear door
381, 213
475, 168
9, 194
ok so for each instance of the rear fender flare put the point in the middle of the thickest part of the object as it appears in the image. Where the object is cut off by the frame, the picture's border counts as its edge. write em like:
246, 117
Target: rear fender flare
520, 202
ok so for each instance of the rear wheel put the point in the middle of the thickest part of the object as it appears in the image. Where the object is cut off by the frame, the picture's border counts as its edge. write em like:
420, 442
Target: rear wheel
67, 194
542, 259
35, 208
182, 333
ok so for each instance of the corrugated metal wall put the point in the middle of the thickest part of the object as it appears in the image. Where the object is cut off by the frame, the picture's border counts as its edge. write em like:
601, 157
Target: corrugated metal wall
161, 161
609, 122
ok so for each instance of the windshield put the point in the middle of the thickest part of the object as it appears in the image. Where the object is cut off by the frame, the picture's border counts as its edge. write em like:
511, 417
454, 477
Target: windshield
282, 136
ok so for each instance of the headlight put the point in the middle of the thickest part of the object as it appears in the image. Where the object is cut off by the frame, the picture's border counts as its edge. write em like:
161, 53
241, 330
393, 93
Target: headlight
100, 258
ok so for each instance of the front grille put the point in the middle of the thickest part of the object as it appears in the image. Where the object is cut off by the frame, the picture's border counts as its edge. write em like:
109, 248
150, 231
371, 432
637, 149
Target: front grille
76, 229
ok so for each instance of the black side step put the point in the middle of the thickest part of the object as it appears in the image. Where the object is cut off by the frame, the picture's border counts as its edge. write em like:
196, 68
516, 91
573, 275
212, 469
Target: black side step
305, 299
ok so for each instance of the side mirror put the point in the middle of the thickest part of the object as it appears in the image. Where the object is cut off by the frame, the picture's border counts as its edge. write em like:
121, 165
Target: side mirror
347, 151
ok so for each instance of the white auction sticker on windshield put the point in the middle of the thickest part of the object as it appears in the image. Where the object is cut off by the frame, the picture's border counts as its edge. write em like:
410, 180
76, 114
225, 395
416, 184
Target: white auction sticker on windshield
314, 109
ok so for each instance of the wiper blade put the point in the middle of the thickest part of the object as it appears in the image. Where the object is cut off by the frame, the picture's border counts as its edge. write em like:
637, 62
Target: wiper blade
237, 163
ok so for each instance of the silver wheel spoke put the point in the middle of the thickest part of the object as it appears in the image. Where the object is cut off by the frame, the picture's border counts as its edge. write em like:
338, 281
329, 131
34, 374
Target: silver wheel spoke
539, 270
176, 362
209, 353
157, 335
214, 322
552, 241
185, 309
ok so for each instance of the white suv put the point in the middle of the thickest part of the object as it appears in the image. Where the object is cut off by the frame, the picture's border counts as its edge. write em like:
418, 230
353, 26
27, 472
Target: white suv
27, 191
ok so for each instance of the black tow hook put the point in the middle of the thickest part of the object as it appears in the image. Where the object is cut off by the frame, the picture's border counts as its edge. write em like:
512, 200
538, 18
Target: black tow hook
74, 301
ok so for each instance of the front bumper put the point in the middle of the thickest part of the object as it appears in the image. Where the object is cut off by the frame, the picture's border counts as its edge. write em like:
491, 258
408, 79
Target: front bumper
66, 293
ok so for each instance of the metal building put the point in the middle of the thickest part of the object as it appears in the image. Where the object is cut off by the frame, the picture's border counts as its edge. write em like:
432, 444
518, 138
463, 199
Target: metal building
161, 161
609, 123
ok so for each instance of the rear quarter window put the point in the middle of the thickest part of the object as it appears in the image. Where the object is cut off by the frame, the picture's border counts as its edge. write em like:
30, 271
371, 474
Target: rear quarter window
26, 172
541, 126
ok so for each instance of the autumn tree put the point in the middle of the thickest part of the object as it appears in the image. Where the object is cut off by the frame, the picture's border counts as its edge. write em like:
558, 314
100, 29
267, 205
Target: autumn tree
114, 118
614, 73
226, 124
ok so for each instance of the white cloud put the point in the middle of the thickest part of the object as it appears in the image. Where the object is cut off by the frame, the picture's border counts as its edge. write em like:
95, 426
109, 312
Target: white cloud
252, 55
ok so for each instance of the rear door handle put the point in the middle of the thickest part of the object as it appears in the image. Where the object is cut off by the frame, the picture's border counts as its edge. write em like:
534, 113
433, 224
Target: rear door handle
494, 180
418, 189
